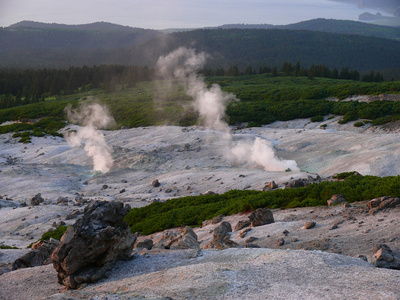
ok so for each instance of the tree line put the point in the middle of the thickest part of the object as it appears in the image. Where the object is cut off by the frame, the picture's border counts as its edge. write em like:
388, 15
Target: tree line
296, 70
19, 87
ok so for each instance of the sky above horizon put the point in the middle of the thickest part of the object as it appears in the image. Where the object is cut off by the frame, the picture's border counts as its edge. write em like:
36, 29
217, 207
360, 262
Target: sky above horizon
162, 14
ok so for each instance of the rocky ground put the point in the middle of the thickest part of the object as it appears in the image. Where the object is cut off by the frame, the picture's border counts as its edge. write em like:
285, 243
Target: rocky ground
192, 161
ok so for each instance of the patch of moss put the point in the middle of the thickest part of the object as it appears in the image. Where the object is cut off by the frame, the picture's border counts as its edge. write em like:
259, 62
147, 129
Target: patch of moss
8, 247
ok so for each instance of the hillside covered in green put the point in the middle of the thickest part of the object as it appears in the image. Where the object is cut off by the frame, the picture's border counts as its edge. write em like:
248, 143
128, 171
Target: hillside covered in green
359, 46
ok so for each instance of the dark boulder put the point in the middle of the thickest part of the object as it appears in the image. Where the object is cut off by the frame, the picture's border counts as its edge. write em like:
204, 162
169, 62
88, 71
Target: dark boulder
37, 199
40, 255
91, 246
297, 183
261, 216
155, 183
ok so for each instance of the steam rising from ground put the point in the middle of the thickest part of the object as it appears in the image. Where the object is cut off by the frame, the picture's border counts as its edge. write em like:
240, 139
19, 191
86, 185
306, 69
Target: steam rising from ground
93, 117
183, 64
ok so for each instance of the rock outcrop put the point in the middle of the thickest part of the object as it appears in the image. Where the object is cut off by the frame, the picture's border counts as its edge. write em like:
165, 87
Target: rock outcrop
385, 258
221, 237
187, 239
381, 203
90, 247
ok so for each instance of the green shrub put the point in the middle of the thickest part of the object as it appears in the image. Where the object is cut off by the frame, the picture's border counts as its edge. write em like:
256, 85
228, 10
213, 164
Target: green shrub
194, 210
8, 247
359, 124
345, 175
55, 234
317, 119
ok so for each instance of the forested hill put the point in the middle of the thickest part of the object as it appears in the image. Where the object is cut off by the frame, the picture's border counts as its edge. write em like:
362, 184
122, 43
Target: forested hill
329, 25
255, 47
103, 26
62, 48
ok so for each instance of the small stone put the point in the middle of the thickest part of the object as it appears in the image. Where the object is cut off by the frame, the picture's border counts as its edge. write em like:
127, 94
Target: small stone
285, 232
280, 242
122, 191
155, 183
309, 224
104, 187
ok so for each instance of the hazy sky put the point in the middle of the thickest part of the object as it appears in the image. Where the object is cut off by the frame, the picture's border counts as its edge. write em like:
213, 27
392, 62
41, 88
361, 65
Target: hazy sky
161, 14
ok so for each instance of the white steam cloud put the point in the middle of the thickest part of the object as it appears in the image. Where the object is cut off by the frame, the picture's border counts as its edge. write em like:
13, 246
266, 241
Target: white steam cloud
260, 153
183, 65
93, 117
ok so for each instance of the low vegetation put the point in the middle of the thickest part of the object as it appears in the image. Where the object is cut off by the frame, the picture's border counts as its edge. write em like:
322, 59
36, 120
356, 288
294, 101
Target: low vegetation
194, 210
263, 100
55, 234
8, 247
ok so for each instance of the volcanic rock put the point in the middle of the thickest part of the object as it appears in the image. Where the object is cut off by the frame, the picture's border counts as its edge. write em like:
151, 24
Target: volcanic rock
37, 199
155, 183
188, 240
221, 237
309, 224
296, 183
382, 203
167, 239
336, 199
242, 224
90, 247
147, 243
270, 186
385, 258
261, 216
40, 255
174, 240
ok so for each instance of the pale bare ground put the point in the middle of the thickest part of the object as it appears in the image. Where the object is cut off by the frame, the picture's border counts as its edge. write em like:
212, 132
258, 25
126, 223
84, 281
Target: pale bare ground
191, 161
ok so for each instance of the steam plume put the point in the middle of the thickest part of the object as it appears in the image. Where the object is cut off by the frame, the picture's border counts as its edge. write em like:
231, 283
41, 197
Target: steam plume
93, 117
183, 65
